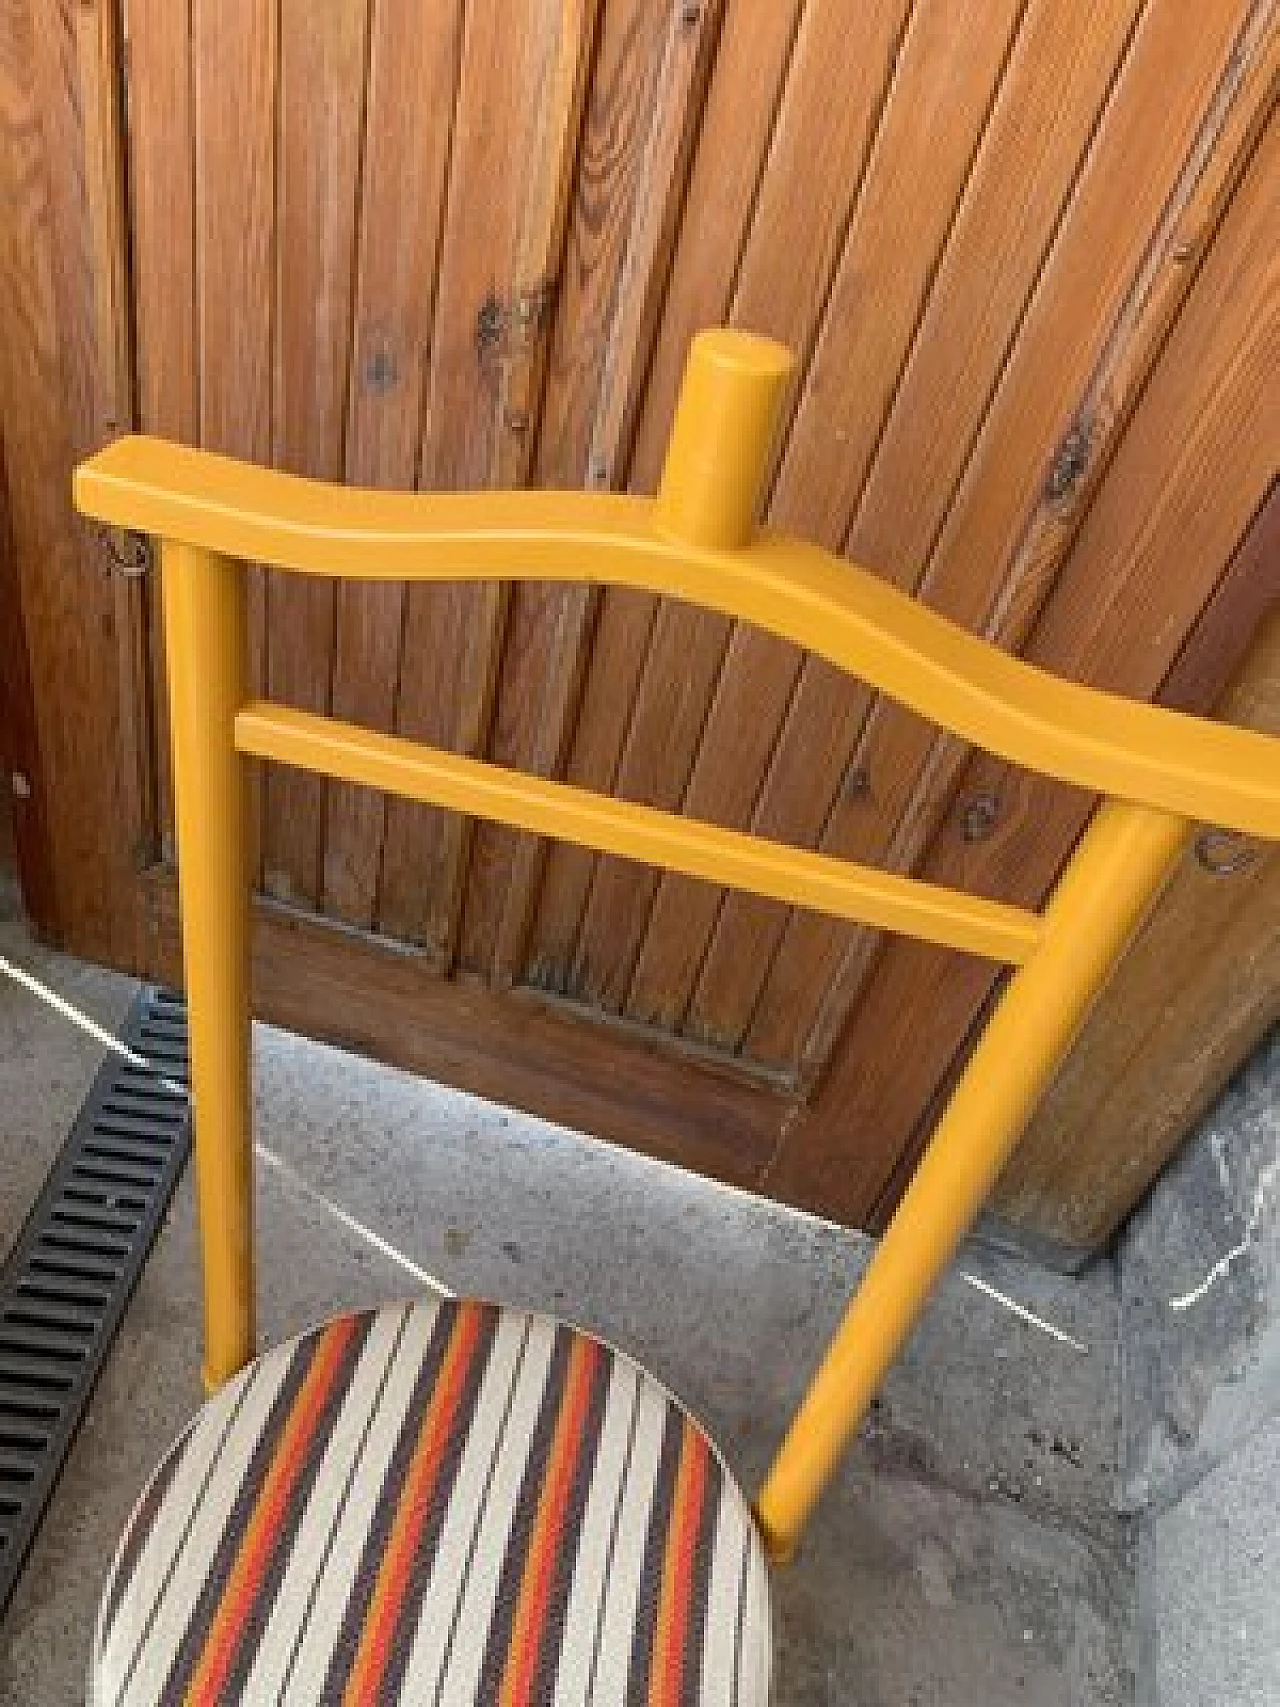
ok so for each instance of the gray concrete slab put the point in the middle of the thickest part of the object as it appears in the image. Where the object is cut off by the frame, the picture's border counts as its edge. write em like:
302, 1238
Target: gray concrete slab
967, 1555
45, 1067
728, 1298
1210, 1568
1200, 1294
1199, 1272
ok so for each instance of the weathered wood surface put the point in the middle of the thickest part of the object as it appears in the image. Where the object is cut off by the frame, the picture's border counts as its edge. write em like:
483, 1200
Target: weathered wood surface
1027, 264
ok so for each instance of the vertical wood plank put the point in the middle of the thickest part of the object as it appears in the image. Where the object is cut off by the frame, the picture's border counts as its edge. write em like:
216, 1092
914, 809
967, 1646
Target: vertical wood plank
832, 778
752, 60
21, 771
541, 665
942, 90
47, 388
1185, 480
642, 119
1195, 992
1122, 215
321, 105
521, 85
611, 166
55, 65
235, 58
782, 288
161, 159
100, 64
413, 81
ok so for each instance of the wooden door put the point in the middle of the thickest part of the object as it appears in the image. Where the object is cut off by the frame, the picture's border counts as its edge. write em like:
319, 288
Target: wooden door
1028, 264
23, 830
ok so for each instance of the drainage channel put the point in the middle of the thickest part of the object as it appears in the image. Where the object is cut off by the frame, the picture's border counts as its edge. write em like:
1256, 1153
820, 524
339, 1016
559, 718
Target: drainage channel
68, 1280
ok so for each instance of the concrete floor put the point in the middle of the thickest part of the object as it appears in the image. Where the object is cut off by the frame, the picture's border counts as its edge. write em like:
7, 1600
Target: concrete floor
969, 1553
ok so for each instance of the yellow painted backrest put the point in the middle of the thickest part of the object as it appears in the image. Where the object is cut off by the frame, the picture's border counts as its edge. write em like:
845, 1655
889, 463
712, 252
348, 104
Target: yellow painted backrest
698, 540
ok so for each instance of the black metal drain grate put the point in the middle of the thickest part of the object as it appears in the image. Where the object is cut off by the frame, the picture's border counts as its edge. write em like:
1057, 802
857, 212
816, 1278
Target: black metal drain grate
69, 1278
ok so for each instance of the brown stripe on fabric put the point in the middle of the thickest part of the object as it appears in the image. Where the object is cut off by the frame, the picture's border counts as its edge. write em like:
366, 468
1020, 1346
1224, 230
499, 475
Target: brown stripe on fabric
187, 1655
272, 1510
429, 1540
704, 1551
264, 1508
229, 1423
139, 1531
611, 1552
268, 1590
482, 1507
502, 1623
666, 1667
365, 1580
550, 1534
340, 1508
567, 1554
414, 1505
655, 1551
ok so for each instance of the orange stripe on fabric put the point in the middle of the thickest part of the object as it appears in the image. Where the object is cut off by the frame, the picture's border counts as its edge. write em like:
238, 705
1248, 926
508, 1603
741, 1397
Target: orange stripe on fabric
269, 1509
412, 1510
544, 1545
667, 1675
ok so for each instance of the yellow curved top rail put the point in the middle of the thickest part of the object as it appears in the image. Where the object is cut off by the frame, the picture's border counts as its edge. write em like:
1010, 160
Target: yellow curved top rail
1101, 742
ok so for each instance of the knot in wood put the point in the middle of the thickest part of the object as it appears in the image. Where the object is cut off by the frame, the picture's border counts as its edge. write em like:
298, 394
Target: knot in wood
1069, 462
979, 817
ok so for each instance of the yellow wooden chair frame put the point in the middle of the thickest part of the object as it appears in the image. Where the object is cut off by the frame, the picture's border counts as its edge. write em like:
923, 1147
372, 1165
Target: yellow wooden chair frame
696, 541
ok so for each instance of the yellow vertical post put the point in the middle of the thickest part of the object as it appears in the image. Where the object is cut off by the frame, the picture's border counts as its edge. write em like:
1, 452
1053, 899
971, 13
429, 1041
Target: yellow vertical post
722, 439
1116, 873
206, 641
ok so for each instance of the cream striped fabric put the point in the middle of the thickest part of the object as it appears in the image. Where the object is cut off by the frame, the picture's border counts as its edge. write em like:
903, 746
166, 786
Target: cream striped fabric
445, 1504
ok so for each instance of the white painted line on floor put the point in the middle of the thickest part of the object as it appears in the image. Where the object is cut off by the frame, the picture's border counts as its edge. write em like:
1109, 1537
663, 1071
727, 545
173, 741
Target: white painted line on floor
99, 1033
305, 1188
1021, 1311
109, 1041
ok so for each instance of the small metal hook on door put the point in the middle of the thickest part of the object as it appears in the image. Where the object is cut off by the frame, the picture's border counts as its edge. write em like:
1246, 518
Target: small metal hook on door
130, 552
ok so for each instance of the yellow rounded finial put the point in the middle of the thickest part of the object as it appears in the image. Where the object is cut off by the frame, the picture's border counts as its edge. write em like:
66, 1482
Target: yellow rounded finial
722, 441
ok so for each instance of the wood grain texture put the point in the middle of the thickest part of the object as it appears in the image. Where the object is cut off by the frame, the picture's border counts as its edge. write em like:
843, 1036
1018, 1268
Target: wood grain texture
321, 107
1184, 481
782, 288
1230, 627
511, 1047
826, 782
235, 56
752, 60
1097, 265
99, 56
47, 391
1024, 262
22, 780
632, 165
56, 71
161, 160
522, 81
412, 95
1196, 991
945, 79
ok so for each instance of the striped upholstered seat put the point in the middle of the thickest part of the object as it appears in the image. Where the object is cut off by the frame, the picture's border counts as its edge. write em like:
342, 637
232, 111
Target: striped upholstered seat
439, 1504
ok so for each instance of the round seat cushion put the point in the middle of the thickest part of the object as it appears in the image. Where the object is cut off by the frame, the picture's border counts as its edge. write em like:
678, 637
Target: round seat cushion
445, 1504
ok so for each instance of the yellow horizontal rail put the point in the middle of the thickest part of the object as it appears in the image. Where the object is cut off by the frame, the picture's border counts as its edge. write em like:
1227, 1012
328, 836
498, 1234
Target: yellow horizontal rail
1098, 741
843, 890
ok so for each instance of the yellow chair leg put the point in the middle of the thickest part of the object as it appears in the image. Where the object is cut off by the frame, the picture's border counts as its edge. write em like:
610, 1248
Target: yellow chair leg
206, 635
1116, 873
